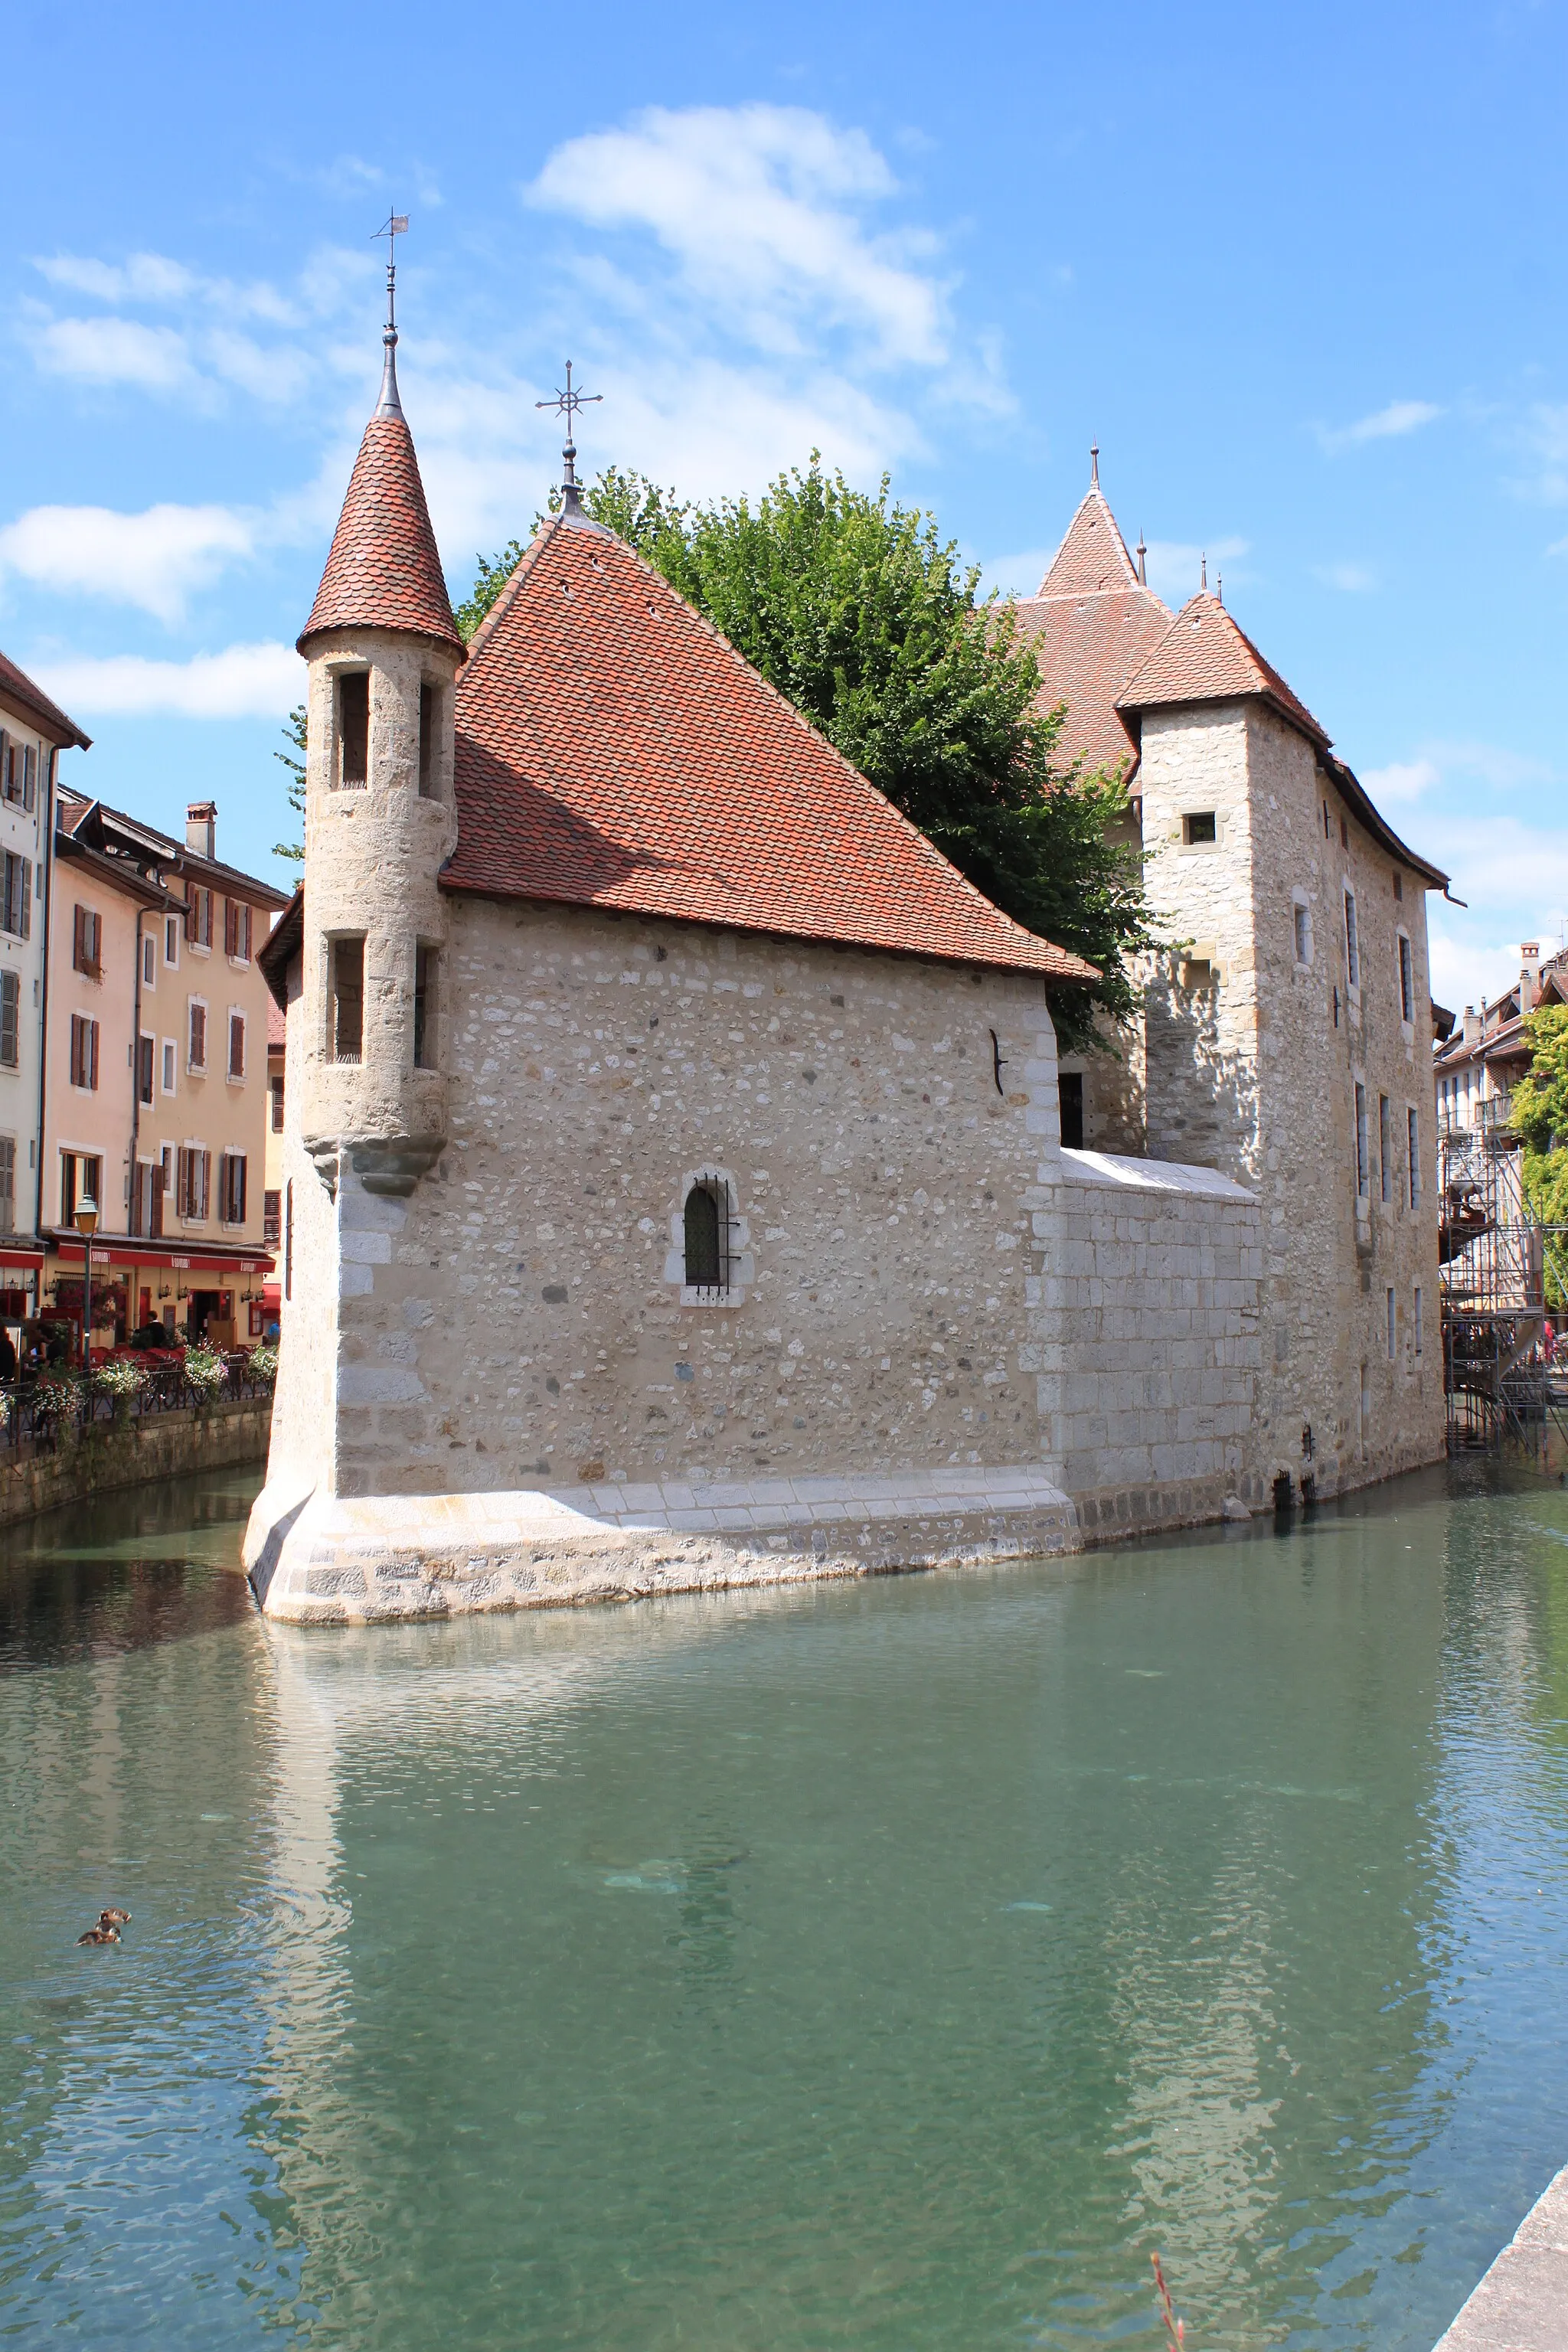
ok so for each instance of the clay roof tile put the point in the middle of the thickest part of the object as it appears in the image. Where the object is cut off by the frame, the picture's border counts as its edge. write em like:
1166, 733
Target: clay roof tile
613, 749
383, 570
1205, 657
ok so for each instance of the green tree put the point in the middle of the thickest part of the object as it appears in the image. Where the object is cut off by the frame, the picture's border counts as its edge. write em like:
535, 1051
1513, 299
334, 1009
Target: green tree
857, 610
1541, 1116
294, 732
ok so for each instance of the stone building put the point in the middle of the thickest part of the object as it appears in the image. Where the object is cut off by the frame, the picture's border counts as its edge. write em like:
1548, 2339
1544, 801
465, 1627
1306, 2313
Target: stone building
1287, 1031
673, 1186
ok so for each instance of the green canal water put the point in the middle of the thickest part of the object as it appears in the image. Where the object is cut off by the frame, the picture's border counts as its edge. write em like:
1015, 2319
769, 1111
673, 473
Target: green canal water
890, 1965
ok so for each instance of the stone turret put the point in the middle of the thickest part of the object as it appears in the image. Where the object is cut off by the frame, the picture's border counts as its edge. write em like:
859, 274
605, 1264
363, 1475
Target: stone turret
380, 820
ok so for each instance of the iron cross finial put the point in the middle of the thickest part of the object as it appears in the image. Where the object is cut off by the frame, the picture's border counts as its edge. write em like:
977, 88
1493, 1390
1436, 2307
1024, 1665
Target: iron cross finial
567, 404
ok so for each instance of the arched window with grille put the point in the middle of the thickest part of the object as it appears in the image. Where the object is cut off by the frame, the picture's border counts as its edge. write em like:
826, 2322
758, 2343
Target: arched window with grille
707, 1230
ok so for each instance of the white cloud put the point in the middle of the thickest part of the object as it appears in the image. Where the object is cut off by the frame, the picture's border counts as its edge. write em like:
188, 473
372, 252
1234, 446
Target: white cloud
153, 279
1175, 568
1349, 579
760, 207
259, 681
1390, 424
113, 351
1016, 575
1402, 779
153, 560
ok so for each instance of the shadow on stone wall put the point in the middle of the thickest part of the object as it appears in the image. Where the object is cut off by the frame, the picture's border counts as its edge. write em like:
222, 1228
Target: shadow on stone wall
1202, 1095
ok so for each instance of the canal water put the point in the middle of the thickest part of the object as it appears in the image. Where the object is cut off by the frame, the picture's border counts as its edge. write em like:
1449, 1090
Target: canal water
892, 1965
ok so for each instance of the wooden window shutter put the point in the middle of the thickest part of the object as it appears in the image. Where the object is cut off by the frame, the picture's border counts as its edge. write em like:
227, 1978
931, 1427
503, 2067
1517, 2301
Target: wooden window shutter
92, 1053
78, 939
205, 1159
230, 928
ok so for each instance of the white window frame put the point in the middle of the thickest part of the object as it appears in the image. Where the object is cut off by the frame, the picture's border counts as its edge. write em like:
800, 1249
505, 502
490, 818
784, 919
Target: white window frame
148, 961
172, 927
169, 1065
199, 1069
236, 1012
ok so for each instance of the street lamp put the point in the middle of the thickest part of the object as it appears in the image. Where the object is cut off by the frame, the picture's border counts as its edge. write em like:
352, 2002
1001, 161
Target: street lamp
86, 1225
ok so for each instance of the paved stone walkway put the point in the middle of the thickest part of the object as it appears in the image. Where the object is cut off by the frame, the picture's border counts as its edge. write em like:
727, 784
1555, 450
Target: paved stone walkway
1521, 2304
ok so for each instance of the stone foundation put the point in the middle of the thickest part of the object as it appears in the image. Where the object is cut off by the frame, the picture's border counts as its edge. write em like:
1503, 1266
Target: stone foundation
315, 1559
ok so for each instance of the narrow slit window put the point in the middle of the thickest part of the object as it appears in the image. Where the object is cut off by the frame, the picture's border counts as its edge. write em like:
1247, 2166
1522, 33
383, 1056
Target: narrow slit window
1412, 1127
708, 1235
1416, 1318
1406, 981
348, 1000
427, 712
1363, 1187
353, 728
1393, 1326
1353, 942
1303, 936
1384, 1150
426, 960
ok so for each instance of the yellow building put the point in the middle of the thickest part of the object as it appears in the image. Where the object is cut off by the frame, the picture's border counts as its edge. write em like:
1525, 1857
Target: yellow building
157, 1103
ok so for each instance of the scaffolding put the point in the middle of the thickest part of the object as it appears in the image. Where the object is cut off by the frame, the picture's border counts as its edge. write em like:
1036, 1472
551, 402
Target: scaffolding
1500, 1268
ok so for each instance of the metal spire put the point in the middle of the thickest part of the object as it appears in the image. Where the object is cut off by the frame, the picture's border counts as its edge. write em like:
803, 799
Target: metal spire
394, 226
1094, 464
566, 404
1204, 574
1142, 554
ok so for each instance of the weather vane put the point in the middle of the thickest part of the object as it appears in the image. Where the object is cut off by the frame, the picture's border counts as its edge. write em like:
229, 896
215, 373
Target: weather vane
395, 226
567, 404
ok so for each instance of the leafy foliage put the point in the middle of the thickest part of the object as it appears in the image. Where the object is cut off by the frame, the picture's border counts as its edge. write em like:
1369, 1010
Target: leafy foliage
1541, 1097
857, 610
1541, 1115
294, 728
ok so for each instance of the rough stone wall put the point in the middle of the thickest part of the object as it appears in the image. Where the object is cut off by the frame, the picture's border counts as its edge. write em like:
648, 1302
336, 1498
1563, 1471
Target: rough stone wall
1254, 1073
372, 852
1201, 1032
1144, 1338
106, 1457
312, 1273
513, 1322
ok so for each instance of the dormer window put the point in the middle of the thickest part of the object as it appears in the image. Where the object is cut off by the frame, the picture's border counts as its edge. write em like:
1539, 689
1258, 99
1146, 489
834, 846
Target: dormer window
353, 728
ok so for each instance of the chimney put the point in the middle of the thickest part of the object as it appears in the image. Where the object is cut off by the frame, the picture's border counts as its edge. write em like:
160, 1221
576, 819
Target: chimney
201, 828
1529, 976
1470, 1028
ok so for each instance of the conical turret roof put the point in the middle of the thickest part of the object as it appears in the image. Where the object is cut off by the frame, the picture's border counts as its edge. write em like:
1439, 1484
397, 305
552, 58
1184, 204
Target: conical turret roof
383, 572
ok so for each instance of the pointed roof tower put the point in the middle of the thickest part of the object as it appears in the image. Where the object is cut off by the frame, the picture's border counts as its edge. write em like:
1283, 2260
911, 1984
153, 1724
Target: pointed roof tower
1205, 657
383, 570
1093, 620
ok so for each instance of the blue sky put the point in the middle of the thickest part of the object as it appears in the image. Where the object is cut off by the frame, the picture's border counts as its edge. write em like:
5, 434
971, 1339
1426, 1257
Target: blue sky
1300, 272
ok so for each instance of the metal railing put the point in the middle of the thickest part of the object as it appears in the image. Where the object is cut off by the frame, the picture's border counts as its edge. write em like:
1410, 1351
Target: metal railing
43, 1408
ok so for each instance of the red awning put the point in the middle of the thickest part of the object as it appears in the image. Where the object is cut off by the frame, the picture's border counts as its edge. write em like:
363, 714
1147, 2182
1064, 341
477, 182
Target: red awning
133, 1253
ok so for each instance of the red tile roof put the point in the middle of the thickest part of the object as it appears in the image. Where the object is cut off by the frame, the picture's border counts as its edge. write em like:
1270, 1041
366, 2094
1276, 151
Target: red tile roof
1203, 657
17, 689
1091, 625
1092, 558
615, 750
383, 572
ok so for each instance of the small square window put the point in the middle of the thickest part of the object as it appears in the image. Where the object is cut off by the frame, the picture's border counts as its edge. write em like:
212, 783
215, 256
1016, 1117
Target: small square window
1199, 826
